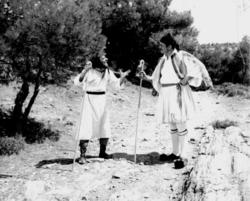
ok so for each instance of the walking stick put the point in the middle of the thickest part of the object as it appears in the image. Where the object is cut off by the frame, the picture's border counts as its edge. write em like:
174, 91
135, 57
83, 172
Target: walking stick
77, 134
141, 69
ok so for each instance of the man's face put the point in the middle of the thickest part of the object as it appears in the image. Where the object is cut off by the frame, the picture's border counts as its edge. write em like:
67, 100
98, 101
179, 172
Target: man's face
167, 50
104, 60
88, 64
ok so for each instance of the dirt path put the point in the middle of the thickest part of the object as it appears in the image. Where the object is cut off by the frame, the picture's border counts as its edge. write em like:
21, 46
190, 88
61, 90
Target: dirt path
42, 171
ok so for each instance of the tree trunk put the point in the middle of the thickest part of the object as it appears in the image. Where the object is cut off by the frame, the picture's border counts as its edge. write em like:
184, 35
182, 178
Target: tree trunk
17, 114
247, 71
33, 98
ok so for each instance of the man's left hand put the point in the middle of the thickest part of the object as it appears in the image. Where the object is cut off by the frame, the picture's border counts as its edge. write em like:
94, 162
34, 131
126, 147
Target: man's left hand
184, 81
124, 74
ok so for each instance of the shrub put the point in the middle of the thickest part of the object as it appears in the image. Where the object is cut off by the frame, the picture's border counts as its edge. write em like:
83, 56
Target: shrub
232, 90
11, 145
222, 124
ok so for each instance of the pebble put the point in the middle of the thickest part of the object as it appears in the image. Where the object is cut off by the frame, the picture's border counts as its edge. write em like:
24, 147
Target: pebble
192, 141
115, 177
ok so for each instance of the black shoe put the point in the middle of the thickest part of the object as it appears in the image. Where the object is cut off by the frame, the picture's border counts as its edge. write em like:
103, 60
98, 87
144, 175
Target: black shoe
168, 158
82, 160
83, 148
180, 163
103, 145
105, 156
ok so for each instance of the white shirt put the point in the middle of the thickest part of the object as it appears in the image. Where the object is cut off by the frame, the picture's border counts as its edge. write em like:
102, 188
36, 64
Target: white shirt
94, 80
168, 74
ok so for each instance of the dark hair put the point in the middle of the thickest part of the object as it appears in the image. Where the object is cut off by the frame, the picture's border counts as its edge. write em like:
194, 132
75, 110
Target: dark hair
168, 40
96, 63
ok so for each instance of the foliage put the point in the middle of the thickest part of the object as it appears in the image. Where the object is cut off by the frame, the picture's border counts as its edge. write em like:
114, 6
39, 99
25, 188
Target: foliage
187, 39
41, 40
240, 67
11, 145
55, 33
132, 29
217, 58
228, 62
222, 124
232, 90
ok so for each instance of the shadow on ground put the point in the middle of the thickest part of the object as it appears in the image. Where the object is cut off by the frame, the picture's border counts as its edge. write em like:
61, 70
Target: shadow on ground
4, 176
61, 161
146, 159
33, 131
65, 161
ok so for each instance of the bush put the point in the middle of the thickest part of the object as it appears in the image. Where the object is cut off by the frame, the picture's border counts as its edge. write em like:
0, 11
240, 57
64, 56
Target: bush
11, 145
6, 74
222, 124
227, 62
232, 90
218, 58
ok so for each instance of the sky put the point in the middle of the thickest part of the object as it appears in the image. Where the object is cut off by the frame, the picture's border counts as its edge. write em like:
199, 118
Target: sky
217, 21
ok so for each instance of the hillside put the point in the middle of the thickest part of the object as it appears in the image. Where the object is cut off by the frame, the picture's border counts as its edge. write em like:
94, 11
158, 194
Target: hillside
218, 166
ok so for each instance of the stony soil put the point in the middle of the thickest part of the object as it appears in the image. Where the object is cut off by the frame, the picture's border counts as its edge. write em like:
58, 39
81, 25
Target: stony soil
218, 160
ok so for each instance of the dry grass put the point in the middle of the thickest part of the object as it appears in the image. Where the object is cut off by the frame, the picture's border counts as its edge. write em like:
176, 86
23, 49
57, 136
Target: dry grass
232, 90
222, 124
11, 145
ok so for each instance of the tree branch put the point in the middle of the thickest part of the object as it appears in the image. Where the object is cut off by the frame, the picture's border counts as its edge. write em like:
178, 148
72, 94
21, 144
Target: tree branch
36, 91
5, 62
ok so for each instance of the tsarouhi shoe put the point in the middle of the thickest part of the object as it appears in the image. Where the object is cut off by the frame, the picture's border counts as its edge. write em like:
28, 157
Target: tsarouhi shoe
103, 146
82, 160
180, 163
105, 156
83, 148
168, 158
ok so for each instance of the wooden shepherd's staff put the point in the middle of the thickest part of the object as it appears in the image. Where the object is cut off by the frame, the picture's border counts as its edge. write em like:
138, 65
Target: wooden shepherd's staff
141, 69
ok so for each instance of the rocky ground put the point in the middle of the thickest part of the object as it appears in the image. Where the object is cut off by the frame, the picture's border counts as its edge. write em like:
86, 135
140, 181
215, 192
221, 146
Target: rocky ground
218, 159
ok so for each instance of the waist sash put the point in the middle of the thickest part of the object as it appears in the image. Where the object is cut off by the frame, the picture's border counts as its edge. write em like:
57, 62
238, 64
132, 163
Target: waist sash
96, 92
169, 84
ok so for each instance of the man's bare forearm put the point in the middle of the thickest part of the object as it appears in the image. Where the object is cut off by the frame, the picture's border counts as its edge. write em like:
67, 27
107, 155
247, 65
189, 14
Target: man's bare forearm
83, 73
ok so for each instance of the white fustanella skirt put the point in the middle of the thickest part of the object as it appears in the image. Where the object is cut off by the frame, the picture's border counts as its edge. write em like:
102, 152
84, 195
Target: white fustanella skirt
95, 118
175, 106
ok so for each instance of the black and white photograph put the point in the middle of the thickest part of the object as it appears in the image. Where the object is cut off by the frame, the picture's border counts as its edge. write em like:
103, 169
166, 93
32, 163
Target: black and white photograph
124, 100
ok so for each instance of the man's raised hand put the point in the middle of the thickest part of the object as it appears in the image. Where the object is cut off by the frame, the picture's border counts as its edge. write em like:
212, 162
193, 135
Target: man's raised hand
124, 74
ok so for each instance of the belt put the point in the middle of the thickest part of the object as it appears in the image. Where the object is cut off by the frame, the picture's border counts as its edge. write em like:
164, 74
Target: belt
95, 92
178, 86
169, 84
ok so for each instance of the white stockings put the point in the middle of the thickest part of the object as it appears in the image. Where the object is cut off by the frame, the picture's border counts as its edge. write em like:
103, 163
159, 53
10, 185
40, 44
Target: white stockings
178, 132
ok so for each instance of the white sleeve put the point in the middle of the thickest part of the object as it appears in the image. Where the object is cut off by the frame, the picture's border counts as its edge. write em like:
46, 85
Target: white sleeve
77, 81
156, 75
113, 80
